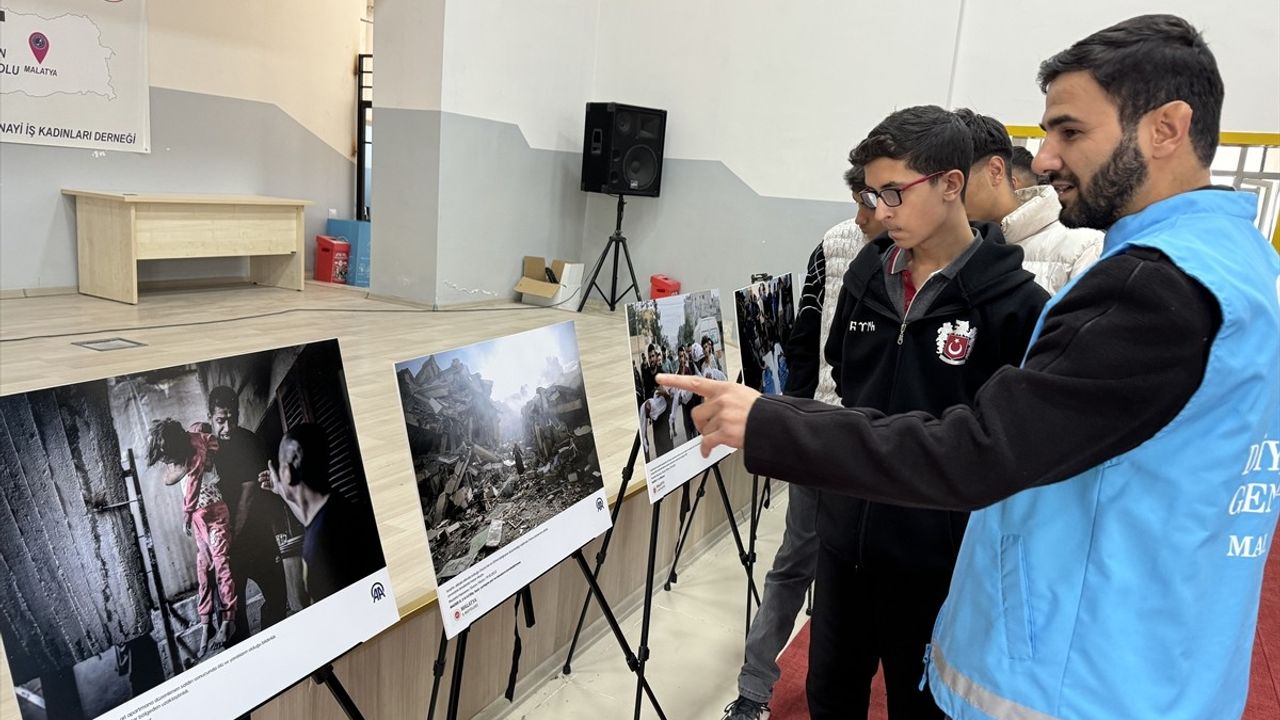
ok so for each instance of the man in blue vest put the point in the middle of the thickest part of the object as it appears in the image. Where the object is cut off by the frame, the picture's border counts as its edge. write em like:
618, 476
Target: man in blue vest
1126, 479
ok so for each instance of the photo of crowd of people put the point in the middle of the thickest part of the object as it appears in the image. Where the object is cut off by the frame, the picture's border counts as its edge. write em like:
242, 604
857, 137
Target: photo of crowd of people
766, 314
169, 515
681, 334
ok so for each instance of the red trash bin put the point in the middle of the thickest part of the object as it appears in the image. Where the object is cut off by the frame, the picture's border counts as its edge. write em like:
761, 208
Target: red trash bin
332, 259
661, 286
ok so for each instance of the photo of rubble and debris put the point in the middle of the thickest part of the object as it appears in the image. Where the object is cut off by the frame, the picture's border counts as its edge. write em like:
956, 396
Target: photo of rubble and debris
765, 317
501, 441
151, 522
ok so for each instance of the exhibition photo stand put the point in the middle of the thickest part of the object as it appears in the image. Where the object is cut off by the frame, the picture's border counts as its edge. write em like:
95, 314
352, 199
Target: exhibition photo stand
325, 676
686, 515
635, 660
761, 493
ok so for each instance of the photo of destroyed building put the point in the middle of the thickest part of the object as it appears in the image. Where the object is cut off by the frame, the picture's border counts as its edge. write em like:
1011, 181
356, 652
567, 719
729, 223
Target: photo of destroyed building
501, 441
137, 538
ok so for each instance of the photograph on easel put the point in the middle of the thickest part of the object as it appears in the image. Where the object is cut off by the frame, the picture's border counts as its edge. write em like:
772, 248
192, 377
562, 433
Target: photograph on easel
681, 335
505, 461
194, 536
766, 314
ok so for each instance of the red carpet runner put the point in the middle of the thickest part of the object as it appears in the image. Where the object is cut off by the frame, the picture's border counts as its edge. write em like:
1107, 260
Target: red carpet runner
1264, 684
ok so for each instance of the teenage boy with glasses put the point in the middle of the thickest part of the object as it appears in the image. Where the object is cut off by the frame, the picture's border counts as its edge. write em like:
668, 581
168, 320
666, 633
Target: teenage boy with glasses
927, 313
809, 376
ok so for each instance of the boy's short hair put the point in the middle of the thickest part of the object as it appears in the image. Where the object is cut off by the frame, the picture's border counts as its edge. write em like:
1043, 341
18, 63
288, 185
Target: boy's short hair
168, 441
990, 137
856, 176
926, 137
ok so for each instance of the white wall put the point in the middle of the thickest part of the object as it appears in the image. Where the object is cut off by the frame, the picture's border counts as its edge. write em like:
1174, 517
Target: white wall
408, 42
780, 92
1001, 49
296, 54
529, 64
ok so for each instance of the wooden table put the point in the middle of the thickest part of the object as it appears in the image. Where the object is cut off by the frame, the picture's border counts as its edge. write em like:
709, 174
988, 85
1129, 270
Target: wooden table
114, 230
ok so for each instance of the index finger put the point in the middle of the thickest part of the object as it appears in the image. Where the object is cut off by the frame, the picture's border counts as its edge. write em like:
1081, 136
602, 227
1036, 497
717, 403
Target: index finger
700, 385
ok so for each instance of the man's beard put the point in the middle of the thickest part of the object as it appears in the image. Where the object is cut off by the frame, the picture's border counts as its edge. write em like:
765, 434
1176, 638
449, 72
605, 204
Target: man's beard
1110, 190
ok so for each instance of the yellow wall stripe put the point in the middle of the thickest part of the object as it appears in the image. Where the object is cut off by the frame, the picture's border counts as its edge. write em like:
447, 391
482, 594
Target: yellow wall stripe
1255, 139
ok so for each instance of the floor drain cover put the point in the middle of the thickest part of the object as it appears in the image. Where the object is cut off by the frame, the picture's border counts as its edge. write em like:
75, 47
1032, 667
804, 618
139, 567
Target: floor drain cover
106, 344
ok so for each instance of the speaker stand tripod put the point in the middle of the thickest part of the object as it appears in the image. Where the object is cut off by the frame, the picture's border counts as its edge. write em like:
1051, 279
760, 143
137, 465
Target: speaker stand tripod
616, 240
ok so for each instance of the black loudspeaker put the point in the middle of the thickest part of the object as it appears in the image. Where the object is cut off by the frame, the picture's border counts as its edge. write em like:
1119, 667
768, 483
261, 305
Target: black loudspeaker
622, 149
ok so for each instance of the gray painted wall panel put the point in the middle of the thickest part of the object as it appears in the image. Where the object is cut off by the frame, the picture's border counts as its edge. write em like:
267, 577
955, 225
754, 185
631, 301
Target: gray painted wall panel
499, 201
200, 144
406, 178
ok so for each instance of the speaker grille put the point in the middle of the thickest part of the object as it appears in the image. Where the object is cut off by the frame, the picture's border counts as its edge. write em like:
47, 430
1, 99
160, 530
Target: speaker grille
640, 167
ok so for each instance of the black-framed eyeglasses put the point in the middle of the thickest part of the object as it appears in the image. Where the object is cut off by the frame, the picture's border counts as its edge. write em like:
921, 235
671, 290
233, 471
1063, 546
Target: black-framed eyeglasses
892, 197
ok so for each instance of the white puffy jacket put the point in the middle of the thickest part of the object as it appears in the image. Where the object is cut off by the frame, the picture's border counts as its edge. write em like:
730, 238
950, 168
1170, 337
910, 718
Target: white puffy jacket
840, 245
1052, 251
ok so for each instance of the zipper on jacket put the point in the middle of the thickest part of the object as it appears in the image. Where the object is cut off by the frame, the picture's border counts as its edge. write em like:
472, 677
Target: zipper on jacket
924, 679
901, 332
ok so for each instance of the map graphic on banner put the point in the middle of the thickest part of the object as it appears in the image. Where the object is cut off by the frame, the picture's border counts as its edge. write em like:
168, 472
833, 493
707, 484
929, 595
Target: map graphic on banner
73, 73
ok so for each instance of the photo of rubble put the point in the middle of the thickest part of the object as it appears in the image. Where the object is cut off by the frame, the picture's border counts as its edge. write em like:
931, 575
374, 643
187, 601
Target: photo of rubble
501, 441
766, 315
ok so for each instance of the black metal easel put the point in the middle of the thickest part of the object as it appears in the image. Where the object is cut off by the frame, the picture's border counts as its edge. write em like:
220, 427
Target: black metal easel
746, 553
616, 241
323, 676
635, 660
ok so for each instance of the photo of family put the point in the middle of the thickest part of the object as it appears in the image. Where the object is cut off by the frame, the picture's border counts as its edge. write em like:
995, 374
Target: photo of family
151, 522
766, 314
681, 335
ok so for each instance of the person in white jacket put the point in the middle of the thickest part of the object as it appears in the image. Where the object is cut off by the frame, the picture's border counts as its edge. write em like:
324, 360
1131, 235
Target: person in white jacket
1028, 217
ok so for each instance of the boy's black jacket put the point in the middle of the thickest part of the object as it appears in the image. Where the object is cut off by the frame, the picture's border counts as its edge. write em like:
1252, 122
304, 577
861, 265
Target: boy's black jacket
981, 321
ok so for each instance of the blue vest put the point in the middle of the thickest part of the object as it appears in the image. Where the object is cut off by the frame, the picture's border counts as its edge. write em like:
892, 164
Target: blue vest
1131, 590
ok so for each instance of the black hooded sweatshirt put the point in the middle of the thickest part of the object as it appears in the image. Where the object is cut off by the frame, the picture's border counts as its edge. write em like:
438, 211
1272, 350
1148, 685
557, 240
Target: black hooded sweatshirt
980, 321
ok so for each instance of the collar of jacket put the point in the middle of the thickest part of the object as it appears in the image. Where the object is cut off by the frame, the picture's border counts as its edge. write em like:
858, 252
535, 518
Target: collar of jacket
1038, 208
994, 269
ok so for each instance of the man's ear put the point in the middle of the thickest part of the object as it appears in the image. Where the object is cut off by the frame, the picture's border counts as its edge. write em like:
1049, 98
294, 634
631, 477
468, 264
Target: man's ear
1170, 128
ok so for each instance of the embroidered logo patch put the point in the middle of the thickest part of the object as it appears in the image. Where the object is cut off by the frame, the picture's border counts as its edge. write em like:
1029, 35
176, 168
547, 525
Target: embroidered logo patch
955, 341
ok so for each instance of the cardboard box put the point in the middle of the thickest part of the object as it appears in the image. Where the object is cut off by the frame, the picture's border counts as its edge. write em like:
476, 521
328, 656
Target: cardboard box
534, 288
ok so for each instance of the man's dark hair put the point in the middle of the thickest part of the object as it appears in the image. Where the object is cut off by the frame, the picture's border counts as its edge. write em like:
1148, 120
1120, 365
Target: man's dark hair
1145, 62
168, 441
990, 137
926, 137
1022, 159
314, 471
225, 398
856, 176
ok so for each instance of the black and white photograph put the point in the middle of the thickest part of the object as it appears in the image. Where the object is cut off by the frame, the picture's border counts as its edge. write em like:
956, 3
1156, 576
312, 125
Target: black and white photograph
766, 313
155, 521
505, 462
681, 335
